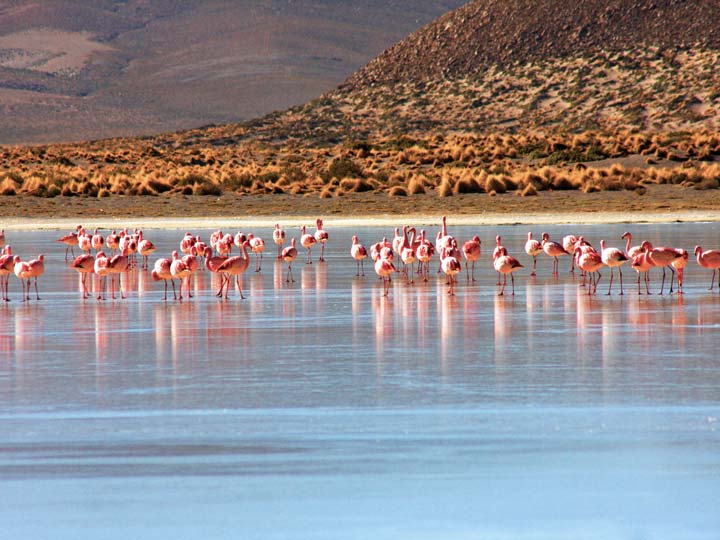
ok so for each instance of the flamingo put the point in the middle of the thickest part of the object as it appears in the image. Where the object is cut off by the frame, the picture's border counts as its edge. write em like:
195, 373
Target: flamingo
161, 271
36, 268
289, 254
84, 241
443, 240
533, 248
498, 251
614, 258
568, 244
590, 262
116, 266
257, 246
451, 266
84, 265
100, 267
279, 239
630, 251
385, 269
661, 257
424, 252
506, 264
240, 238
409, 256
113, 242
212, 263
554, 250
70, 241
236, 266
97, 241
641, 265
359, 253
321, 237
179, 271
145, 248
679, 265
471, 250
188, 241
709, 259
7, 265
307, 241
22, 272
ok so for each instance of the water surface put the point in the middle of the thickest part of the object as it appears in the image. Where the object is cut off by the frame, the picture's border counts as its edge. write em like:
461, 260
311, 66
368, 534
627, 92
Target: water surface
321, 410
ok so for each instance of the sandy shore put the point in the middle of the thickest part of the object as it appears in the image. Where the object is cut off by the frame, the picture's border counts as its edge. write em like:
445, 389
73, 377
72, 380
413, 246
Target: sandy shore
661, 204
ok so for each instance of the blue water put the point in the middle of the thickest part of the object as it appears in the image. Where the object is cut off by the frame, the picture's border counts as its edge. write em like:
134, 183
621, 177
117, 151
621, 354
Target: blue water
320, 410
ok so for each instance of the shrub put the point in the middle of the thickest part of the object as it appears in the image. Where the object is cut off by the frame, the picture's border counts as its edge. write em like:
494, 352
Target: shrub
397, 191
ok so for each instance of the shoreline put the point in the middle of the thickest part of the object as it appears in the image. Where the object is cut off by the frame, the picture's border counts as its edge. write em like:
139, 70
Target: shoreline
297, 220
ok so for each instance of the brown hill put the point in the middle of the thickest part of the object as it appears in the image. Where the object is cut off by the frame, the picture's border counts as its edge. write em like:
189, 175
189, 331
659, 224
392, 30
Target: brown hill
73, 70
486, 33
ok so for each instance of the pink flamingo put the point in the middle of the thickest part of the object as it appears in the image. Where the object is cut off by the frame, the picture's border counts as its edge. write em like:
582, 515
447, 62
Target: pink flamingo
321, 237
533, 248
630, 251
289, 254
425, 252
117, 265
279, 239
161, 271
100, 267
191, 263
443, 240
70, 241
661, 257
7, 265
679, 265
97, 241
568, 244
506, 264
188, 241
709, 259
212, 263
240, 238
641, 265
359, 253
36, 268
84, 265
257, 246
408, 255
385, 269
22, 272
179, 271
145, 248
84, 241
554, 250
471, 250
614, 258
113, 242
451, 266
498, 251
236, 266
590, 262
307, 241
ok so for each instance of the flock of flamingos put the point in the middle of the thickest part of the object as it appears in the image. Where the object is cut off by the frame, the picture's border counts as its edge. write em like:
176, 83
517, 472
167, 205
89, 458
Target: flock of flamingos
405, 250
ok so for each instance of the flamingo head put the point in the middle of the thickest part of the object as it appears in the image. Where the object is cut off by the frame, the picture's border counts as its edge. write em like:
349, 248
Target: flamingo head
626, 235
698, 250
477, 239
646, 245
498, 240
530, 235
175, 254
545, 237
16, 259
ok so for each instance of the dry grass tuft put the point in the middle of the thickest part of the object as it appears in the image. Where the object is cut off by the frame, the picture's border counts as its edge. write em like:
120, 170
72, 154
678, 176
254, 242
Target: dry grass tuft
397, 191
528, 191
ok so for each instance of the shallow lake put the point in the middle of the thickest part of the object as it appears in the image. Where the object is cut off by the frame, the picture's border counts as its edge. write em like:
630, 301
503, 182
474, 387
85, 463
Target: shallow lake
320, 410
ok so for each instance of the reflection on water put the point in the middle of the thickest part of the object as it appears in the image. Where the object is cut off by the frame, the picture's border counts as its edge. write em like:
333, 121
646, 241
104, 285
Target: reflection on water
321, 397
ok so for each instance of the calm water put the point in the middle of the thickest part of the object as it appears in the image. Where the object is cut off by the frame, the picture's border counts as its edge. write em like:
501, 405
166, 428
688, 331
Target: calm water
322, 411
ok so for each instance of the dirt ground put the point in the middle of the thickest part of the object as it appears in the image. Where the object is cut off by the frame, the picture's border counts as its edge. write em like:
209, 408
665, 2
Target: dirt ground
659, 203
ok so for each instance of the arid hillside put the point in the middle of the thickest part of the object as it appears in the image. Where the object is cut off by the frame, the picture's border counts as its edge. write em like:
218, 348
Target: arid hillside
72, 70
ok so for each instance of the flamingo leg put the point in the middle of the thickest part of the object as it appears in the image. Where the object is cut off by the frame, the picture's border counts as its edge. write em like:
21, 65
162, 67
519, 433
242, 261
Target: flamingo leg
622, 293
239, 284
512, 280
309, 260
172, 282
712, 281
533, 273
612, 271
504, 282
599, 277
37, 296
322, 253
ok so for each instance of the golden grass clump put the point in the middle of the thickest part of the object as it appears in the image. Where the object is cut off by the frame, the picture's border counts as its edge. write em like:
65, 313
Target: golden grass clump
416, 185
397, 191
528, 191
445, 188
8, 187
326, 193
495, 183
467, 184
